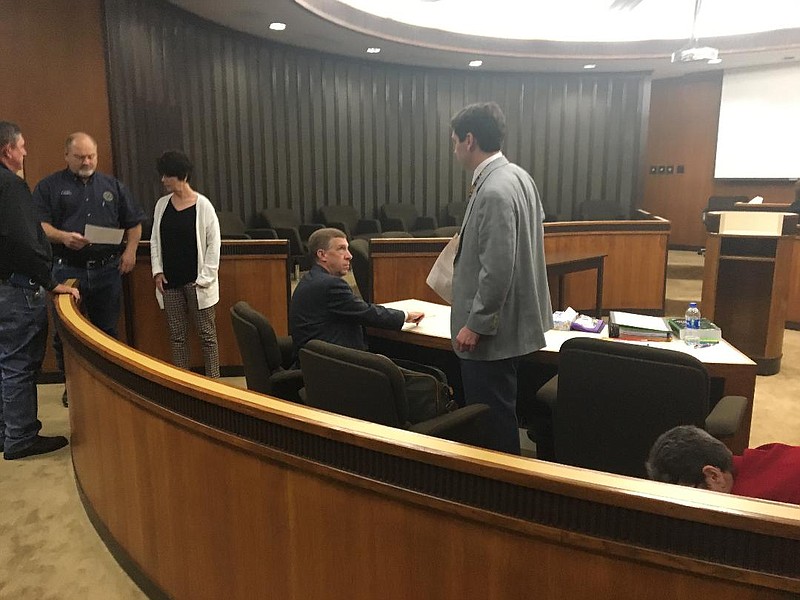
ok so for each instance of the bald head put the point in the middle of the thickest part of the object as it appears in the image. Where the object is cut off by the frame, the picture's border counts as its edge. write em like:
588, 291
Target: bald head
80, 152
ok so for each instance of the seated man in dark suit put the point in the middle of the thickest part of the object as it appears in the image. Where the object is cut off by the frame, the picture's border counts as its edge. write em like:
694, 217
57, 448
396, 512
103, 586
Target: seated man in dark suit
324, 307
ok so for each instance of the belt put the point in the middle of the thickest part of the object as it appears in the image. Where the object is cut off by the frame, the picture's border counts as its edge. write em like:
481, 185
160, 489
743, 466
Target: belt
22, 281
94, 263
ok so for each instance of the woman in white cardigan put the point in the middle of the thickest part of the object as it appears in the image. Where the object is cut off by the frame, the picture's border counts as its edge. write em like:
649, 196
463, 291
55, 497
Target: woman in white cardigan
184, 254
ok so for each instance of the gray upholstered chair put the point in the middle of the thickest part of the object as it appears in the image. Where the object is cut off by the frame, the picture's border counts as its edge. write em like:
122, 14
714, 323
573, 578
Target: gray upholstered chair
601, 210
288, 226
611, 400
371, 387
231, 227
348, 220
266, 357
454, 212
404, 217
362, 272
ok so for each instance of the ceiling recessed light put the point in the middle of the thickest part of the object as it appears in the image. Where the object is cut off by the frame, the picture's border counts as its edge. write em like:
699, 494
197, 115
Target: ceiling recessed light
714, 61
590, 66
475, 63
277, 26
373, 50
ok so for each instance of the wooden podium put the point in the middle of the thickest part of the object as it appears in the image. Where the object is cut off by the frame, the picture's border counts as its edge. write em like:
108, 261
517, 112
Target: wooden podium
746, 280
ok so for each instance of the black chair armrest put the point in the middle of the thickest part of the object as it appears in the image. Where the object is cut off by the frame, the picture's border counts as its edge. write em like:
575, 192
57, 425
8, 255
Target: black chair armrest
234, 236
306, 229
286, 348
368, 226
462, 425
291, 234
426, 223
726, 417
262, 234
286, 385
341, 226
390, 224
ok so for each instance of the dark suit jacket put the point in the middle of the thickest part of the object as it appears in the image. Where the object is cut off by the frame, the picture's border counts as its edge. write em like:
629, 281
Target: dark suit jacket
323, 307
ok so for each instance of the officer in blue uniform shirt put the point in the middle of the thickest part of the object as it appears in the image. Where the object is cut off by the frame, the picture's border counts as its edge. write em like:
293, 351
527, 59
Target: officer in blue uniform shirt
69, 200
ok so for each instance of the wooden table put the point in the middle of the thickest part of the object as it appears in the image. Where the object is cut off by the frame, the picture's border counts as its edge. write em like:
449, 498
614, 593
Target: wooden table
724, 362
560, 263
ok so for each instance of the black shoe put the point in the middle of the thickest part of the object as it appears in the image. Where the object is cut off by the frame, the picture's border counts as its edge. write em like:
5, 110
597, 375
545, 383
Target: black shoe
64, 400
41, 445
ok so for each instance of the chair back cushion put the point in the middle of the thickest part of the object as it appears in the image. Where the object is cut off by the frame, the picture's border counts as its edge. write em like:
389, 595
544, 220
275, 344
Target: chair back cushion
280, 218
340, 214
359, 248
258, 345
231, 225
615, 399
455, 212
354, 383
601, 210
406, 213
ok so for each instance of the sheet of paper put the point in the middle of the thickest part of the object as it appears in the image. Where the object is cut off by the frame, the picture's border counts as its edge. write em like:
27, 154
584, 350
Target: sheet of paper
440, 279
639, 321
437, 317
103, 235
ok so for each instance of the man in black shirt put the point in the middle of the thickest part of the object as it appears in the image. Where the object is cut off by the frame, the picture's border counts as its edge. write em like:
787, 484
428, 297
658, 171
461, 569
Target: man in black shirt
25, 262
67, 202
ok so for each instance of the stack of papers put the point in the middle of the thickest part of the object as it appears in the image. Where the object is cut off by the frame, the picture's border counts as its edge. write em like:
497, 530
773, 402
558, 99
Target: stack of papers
640, 328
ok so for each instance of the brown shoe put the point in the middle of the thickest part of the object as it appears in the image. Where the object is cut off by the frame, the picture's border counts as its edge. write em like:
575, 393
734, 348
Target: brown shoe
41, 445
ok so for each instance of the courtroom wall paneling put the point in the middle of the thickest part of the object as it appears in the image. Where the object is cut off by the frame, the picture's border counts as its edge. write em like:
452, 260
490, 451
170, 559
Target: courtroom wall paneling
54, 89
271, 125
682, 130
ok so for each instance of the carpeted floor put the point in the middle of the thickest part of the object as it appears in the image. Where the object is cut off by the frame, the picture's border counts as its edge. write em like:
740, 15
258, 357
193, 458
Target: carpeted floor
50, 551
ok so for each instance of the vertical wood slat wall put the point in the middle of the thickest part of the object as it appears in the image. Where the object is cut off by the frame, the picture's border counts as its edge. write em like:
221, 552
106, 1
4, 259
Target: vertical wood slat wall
275, 126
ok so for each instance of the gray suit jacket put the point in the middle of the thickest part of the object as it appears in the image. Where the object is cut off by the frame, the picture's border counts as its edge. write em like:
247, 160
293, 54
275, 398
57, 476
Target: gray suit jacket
499, 274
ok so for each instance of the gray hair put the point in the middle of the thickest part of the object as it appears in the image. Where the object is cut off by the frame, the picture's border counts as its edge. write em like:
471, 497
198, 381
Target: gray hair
9, 134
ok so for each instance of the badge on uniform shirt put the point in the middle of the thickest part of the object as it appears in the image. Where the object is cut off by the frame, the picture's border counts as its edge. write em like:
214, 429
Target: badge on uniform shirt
108, 197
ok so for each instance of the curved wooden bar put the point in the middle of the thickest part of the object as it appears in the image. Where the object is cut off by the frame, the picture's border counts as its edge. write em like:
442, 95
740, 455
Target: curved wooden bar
213, 491
635, 270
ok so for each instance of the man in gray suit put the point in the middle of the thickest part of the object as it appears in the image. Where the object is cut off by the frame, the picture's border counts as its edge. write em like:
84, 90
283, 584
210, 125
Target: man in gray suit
501, 302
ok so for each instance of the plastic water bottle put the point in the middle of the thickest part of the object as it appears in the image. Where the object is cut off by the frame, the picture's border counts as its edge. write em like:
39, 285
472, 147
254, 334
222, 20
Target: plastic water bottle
692, 334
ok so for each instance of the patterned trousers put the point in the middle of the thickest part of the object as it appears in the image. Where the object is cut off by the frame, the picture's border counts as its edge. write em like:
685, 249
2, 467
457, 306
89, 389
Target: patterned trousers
180, 304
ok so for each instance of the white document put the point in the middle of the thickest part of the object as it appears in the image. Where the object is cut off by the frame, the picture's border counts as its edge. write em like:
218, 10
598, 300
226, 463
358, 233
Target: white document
440, 279
103, 235
627, 319
757, 200
437, 317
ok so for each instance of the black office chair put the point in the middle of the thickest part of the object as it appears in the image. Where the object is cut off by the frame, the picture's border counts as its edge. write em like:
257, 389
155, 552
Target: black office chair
611, 400
359, 248
348, 220
266, 357
231, 227
404, 217
371, 387
601, 210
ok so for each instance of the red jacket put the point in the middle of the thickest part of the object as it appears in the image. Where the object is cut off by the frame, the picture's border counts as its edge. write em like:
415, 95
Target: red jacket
770, 472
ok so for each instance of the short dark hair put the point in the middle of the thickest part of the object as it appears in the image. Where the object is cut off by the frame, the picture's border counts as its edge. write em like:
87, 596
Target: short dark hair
485, 121
9, 134
679, 455
321, 239
174, 163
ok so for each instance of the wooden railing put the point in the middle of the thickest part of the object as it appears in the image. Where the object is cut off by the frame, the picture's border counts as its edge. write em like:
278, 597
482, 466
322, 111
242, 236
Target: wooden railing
208, 491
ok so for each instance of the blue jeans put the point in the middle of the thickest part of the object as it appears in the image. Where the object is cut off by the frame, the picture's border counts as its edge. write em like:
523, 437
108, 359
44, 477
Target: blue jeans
23, 337
101, 297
